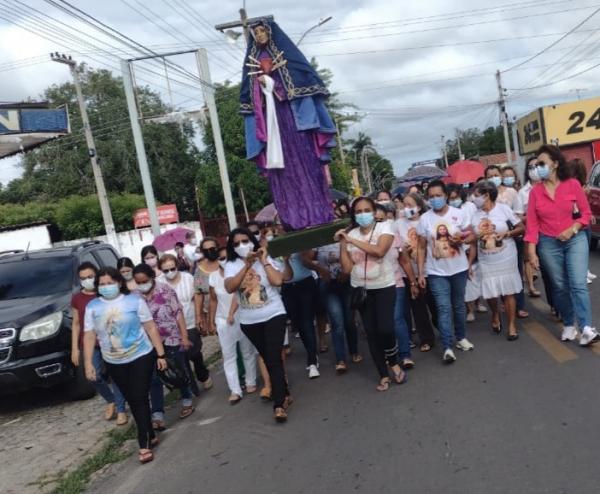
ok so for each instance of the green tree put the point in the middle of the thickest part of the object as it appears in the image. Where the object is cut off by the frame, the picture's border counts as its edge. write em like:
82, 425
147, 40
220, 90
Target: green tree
475, 143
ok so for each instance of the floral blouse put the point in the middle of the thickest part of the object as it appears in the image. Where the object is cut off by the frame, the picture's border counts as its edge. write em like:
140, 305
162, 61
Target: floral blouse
165, 308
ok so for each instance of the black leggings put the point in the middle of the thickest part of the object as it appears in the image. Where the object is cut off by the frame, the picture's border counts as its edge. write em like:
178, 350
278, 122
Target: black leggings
268, 338
420, 312
378, 321
195, 356
133, 379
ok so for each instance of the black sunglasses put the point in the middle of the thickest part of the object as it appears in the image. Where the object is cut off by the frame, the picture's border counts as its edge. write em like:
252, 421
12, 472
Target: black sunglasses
169, 270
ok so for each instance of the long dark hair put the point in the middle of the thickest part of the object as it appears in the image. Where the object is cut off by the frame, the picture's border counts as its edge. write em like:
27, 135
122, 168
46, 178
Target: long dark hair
115, 275
149, 249
231, 254
353, 208
526, 171
562, 172
125, 262
578, 170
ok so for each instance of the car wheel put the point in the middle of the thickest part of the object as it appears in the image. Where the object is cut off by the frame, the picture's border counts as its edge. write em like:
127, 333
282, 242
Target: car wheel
79, 388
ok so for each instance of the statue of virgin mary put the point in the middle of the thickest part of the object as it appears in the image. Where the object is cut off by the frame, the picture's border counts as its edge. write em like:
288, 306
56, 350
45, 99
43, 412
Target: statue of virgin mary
288, 130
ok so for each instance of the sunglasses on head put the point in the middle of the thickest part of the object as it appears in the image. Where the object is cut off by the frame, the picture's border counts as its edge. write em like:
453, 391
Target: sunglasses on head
168, 270
240, 242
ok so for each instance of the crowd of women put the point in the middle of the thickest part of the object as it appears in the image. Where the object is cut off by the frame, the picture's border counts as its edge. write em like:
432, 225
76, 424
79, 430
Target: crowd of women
421, 263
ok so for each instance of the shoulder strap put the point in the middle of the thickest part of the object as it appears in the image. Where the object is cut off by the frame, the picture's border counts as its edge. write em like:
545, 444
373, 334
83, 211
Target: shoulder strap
367, 255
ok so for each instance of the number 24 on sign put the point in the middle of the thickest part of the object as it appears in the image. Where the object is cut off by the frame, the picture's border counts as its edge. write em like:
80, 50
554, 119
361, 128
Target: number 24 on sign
578, 118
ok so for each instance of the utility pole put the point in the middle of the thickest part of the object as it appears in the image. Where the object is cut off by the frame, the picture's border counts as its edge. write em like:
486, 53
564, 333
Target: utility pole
460, 154
504, 118
365, 168
138, 139
444, 150
520, 160
109, 225
209, 97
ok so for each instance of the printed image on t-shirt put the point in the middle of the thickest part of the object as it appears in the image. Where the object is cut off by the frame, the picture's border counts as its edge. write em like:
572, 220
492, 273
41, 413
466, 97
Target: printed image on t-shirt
488, 239
412, 242
443, 246
252, 294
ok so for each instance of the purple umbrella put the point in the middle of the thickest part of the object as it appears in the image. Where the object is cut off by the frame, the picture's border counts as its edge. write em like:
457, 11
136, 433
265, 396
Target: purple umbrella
166, 241
266, 214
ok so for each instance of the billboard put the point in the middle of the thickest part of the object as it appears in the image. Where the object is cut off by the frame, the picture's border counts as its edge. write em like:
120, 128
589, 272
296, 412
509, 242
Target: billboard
166, 214
530, 132
573, 123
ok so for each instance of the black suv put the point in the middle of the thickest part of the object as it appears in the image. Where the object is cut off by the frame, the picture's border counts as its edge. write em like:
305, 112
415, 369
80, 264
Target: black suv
35, 316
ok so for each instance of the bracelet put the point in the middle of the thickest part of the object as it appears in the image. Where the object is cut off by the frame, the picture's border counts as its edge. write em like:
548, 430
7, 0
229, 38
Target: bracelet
163, 356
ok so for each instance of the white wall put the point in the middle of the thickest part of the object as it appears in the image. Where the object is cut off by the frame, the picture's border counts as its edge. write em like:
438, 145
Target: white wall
36, 237
132, 241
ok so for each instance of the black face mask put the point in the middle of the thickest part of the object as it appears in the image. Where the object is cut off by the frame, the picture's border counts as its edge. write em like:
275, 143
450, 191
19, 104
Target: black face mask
211, 254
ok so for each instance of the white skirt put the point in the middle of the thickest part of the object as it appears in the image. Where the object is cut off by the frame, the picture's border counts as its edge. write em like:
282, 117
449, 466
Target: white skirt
501, 278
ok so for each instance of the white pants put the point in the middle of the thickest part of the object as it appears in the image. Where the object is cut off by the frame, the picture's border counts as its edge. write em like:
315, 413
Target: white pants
229, 336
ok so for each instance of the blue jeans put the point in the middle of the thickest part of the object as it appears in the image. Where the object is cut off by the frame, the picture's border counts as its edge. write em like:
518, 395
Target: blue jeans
110, 392
566, 264
449, 295
400, 324
157, 397
337, 302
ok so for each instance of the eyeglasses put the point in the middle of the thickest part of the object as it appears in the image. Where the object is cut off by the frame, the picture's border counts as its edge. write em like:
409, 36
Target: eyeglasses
241, 242
165, 271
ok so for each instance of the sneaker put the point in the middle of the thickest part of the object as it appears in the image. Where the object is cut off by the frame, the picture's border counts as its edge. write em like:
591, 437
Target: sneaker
313, 372
449, 356
464, 345
470, 317
481, 308
589, 280
569, 333
588, 336
591, 275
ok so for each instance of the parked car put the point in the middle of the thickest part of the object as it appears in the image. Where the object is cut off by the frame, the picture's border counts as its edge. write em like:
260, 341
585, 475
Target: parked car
35, 316
593, 191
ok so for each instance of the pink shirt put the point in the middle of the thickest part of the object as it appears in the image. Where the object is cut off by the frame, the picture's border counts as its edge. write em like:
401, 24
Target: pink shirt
553, 216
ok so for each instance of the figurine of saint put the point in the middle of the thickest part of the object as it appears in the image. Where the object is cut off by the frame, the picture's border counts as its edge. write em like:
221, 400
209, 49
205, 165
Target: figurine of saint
288, 130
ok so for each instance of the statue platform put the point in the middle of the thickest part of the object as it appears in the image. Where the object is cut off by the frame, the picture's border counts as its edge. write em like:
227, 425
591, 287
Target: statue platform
307, 239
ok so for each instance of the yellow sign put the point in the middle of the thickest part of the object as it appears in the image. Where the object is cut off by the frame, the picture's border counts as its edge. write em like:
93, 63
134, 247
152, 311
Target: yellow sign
572, 123
530, 132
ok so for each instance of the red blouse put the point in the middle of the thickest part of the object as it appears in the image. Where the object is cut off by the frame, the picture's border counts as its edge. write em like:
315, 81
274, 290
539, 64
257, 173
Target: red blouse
553, 216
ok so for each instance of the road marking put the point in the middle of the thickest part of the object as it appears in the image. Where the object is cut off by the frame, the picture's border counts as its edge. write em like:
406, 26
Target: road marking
559, 351
208, 421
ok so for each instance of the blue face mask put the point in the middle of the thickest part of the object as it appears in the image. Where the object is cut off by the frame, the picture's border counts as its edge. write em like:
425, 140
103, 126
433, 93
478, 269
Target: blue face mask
109, 291
365, 219
455, 203
497, 181
543, 172
437, 203
508, 181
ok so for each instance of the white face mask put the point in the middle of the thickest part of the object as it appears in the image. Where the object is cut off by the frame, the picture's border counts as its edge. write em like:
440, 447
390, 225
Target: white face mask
222, 264
244, 249
127, 276
88, 284
479, 201
145, 287
534, 176
410, 212
151, 261
193, 241
269, 238
171, 275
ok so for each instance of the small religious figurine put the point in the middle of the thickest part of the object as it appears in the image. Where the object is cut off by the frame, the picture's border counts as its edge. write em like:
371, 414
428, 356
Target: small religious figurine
288, 130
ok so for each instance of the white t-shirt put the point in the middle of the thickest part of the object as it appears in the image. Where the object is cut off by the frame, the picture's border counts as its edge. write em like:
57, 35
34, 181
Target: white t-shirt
185, 294
259, 300
469, 208
510, 197
524, 195
407, 230
486, 226
224, 299
443, 257
380, 271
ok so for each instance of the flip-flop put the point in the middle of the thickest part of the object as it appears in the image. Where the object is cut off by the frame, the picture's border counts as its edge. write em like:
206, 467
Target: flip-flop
146, 457
425, 347
384, 385
186, 411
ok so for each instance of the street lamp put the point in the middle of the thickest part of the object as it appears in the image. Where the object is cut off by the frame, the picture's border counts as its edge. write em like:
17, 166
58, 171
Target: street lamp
320, 23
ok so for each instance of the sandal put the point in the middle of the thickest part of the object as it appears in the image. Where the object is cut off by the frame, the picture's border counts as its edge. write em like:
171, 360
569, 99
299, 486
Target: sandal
425, 347
401, 377
265, 394
280, 415
186, 411
407, 363
384, 384
341, 368
497, 329
145, 456
323, 349
288, 402
512, 337
250, 389
357, 358
234, 399
522, 314
534, 293
158, 425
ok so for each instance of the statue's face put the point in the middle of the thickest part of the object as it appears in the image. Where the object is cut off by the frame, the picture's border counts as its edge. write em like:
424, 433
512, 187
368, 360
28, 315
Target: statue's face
261, 35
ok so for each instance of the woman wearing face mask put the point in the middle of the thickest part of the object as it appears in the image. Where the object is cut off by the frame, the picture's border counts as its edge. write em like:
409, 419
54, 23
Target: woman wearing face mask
420, 301
115, 402
150, 256
530, 178
125, 267
183, 284
366, 254
255, 277
209, 264
558, 210
124, 327
222, 316
497, 226
167, 313
443, 265
182, 263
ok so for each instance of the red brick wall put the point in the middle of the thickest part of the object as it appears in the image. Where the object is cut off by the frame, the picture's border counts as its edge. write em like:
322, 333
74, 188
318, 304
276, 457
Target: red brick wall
579, 151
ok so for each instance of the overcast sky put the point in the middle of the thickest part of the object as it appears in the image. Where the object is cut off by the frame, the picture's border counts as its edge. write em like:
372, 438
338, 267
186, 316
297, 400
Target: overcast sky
414, 70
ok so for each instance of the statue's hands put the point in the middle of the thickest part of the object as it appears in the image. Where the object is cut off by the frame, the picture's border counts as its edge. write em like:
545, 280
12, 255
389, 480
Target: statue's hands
262, 81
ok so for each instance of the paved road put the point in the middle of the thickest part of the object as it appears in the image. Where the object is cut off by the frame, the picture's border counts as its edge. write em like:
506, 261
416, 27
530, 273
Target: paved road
509, 416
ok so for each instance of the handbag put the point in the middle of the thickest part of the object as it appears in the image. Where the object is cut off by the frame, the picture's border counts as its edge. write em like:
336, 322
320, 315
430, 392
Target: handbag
358, 297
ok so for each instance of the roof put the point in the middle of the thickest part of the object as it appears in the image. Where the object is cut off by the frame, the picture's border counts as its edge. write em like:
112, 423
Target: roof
496, 159
22, 226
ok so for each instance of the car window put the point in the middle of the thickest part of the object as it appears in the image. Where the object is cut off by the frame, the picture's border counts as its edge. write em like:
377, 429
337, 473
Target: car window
107, 257
24, 278
88, 257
